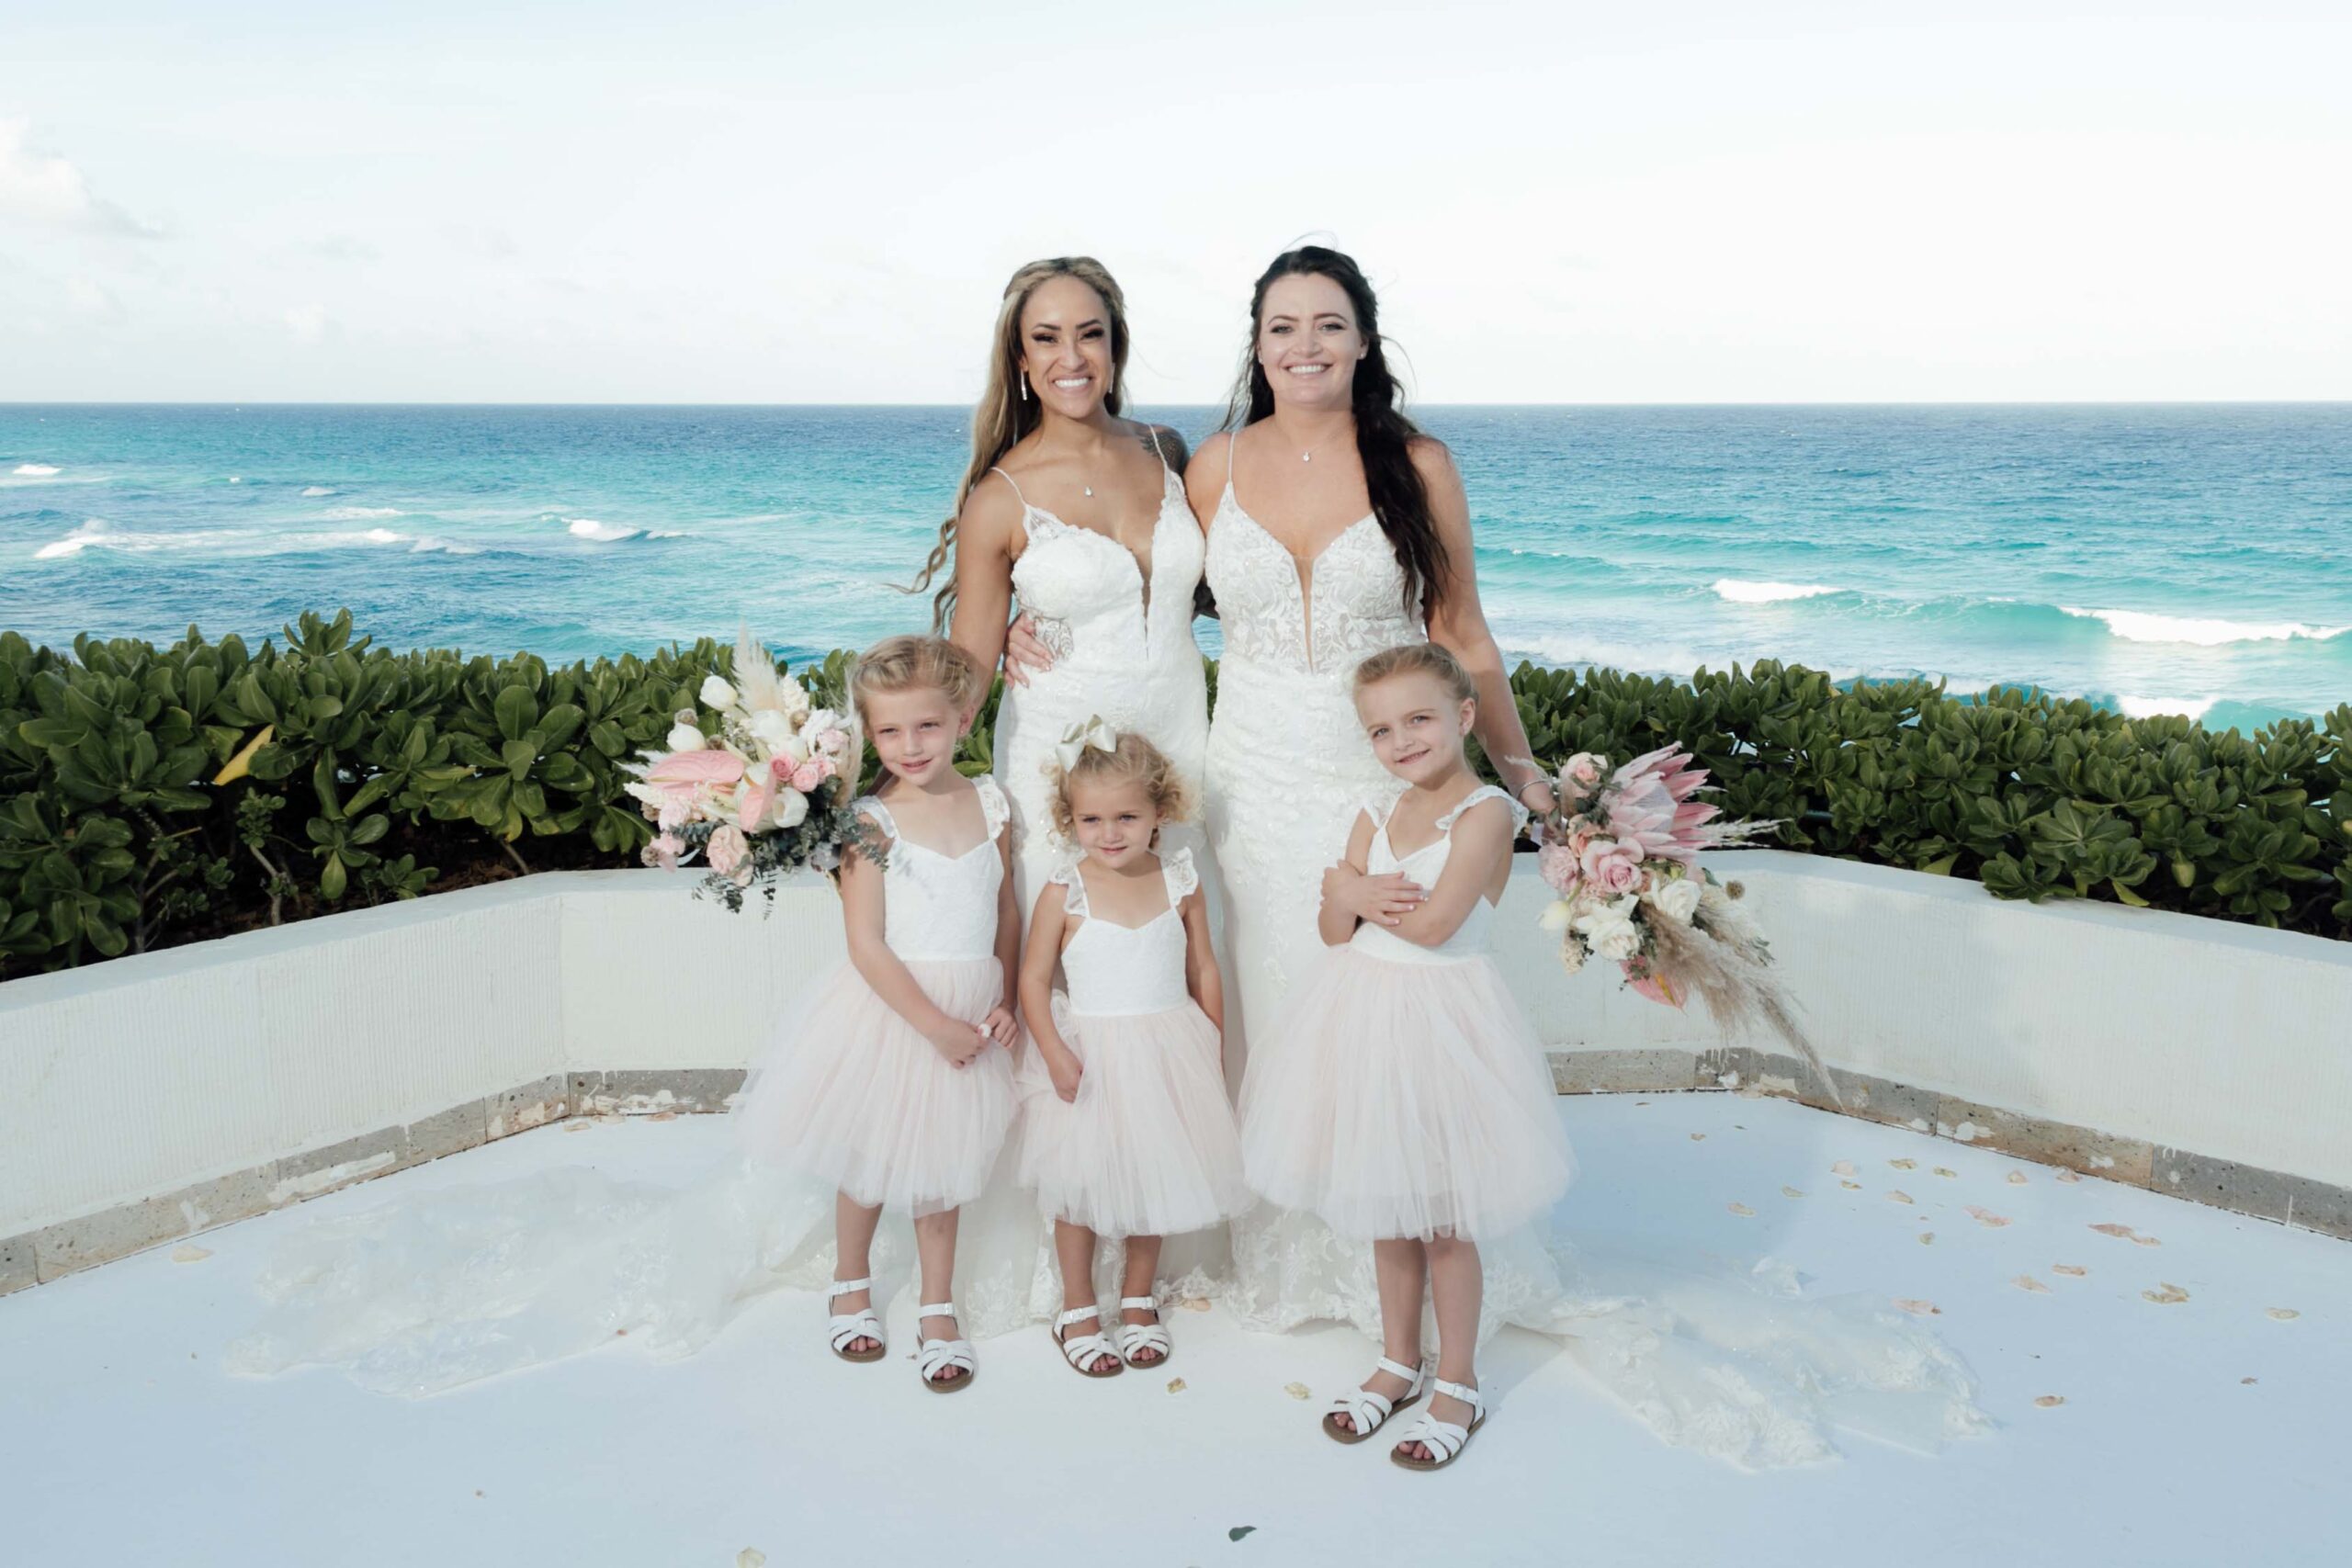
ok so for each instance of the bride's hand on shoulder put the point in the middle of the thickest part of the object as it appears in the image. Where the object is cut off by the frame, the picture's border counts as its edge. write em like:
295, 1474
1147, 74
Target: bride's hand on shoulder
1377, 900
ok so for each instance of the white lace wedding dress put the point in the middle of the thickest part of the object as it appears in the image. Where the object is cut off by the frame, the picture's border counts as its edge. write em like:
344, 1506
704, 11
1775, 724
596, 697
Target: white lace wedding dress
1735, 1362
416, 1295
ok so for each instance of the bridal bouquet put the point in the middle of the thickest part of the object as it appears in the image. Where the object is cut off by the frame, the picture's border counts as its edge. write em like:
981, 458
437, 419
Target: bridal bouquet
768, 793
1622, 853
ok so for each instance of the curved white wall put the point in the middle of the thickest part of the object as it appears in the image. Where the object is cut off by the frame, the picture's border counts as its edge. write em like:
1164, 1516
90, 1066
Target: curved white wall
245, 1061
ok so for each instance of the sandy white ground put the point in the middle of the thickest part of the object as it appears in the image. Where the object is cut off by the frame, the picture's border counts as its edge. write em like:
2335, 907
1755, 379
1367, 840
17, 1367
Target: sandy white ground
2199, 1431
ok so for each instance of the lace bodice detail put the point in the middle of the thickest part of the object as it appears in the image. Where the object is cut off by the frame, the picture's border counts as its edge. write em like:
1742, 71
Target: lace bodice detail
1352, 606
1121, 971
937, 905
1086, 593
1473, 936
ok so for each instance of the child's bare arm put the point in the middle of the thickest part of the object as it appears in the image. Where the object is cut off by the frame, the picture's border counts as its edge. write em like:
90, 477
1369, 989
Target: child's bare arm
1200, 974
1482, 840
1336, 920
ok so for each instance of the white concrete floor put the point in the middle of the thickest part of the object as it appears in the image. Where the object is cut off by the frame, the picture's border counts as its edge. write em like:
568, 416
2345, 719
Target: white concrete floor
2202, 1431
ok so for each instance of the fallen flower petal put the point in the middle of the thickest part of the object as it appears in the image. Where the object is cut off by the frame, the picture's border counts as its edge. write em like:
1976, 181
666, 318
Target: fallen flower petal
2027, 1283
2073, 1270
2051, 1401
1987, 1217
2171, 1295
1918, 1308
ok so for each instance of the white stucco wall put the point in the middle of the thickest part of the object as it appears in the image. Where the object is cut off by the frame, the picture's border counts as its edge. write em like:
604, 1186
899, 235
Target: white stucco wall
148, 1073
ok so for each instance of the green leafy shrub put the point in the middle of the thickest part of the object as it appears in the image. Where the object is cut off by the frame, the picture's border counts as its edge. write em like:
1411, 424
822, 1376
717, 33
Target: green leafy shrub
152, 795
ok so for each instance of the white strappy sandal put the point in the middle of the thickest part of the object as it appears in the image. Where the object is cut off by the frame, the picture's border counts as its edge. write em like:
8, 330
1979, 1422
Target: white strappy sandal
934, 1356
1370, 1410
1135, 1336
1445, 1440
843, 1329
1082, 1352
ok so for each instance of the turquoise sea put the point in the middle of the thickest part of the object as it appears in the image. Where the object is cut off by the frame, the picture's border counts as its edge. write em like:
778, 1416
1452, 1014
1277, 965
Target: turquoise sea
2157, 559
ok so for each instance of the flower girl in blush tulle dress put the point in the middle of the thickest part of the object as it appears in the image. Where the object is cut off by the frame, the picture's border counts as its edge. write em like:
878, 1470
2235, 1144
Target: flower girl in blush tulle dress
1405, 1100
891, 1085
1125, 1128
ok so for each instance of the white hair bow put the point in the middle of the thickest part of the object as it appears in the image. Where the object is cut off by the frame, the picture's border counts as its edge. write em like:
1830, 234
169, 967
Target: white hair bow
1094, 732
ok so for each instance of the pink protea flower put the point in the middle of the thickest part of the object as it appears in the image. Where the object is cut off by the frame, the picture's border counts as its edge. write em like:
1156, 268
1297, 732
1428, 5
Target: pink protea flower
1651, 806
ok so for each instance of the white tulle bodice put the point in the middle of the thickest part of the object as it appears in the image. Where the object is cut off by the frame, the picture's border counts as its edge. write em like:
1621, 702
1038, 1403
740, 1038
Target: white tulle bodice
1126, 971
1474, 938
937, 905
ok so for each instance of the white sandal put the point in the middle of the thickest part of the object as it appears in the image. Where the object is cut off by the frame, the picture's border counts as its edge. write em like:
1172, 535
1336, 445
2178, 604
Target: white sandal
1082, 1352
1370, 1410
1445, 1440
932, 1356
1135, 1336
843, 1329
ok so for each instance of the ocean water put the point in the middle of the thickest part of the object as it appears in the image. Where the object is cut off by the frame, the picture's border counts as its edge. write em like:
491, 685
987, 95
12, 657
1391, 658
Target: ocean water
2157, 559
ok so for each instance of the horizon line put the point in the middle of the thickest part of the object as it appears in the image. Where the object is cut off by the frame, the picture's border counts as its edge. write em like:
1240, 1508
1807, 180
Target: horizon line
1473, 403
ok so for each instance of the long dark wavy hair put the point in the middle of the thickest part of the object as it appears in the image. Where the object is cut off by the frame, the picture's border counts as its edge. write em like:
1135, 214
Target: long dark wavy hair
1383, 434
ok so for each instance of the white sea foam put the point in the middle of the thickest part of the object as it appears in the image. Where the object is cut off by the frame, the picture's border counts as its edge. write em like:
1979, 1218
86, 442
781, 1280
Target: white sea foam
1737, 593
357, 514
601, 532
2149, 707
34, 470
318, 489
96, 534
2139, 626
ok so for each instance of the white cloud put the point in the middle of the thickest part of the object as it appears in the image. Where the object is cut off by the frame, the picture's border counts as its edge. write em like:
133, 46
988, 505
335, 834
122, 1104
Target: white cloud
41, 187
90, 299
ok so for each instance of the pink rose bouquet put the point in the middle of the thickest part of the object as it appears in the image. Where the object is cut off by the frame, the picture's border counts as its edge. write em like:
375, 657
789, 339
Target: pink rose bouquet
761, 789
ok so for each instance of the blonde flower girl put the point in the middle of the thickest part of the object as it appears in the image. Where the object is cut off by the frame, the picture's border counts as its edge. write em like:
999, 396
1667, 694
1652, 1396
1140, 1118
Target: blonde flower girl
1125, 1130
1406, 1100
890, 1086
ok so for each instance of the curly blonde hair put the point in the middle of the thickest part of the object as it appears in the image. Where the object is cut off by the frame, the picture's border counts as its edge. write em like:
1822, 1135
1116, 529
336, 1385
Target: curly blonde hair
912, 663
1418, 659
1134, 760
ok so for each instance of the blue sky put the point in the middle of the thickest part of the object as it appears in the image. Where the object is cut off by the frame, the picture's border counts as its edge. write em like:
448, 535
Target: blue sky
1561, 202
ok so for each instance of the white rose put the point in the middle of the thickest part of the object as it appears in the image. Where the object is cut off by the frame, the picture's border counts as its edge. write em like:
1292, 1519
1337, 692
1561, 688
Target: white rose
1617, 941
716, 693
1677, 901
1557, 916
772, 729
685, 737
817, 721
791, 809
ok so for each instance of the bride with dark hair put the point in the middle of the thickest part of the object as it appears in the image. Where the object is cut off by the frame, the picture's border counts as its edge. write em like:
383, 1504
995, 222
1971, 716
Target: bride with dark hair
1337, 529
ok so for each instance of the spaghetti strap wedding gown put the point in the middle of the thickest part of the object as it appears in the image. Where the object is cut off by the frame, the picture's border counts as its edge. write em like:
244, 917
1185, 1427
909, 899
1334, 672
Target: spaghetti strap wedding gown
1735, 1363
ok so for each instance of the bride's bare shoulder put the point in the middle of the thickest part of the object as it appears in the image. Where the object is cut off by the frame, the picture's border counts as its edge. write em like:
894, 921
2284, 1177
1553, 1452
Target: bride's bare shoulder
1204, 475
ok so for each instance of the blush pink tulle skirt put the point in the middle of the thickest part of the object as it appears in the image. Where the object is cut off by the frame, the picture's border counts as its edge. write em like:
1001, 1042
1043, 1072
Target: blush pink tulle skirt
1149, 1147
852, 1096
1402, 1099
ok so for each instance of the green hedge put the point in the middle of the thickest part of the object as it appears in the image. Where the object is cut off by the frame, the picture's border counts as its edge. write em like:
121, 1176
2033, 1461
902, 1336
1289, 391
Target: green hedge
152, 795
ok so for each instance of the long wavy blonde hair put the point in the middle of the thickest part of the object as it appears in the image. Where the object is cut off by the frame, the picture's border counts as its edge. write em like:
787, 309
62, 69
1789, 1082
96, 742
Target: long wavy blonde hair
1003, 416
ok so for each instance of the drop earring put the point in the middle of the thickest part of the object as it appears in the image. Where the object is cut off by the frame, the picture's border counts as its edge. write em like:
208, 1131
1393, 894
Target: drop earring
1024, 386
